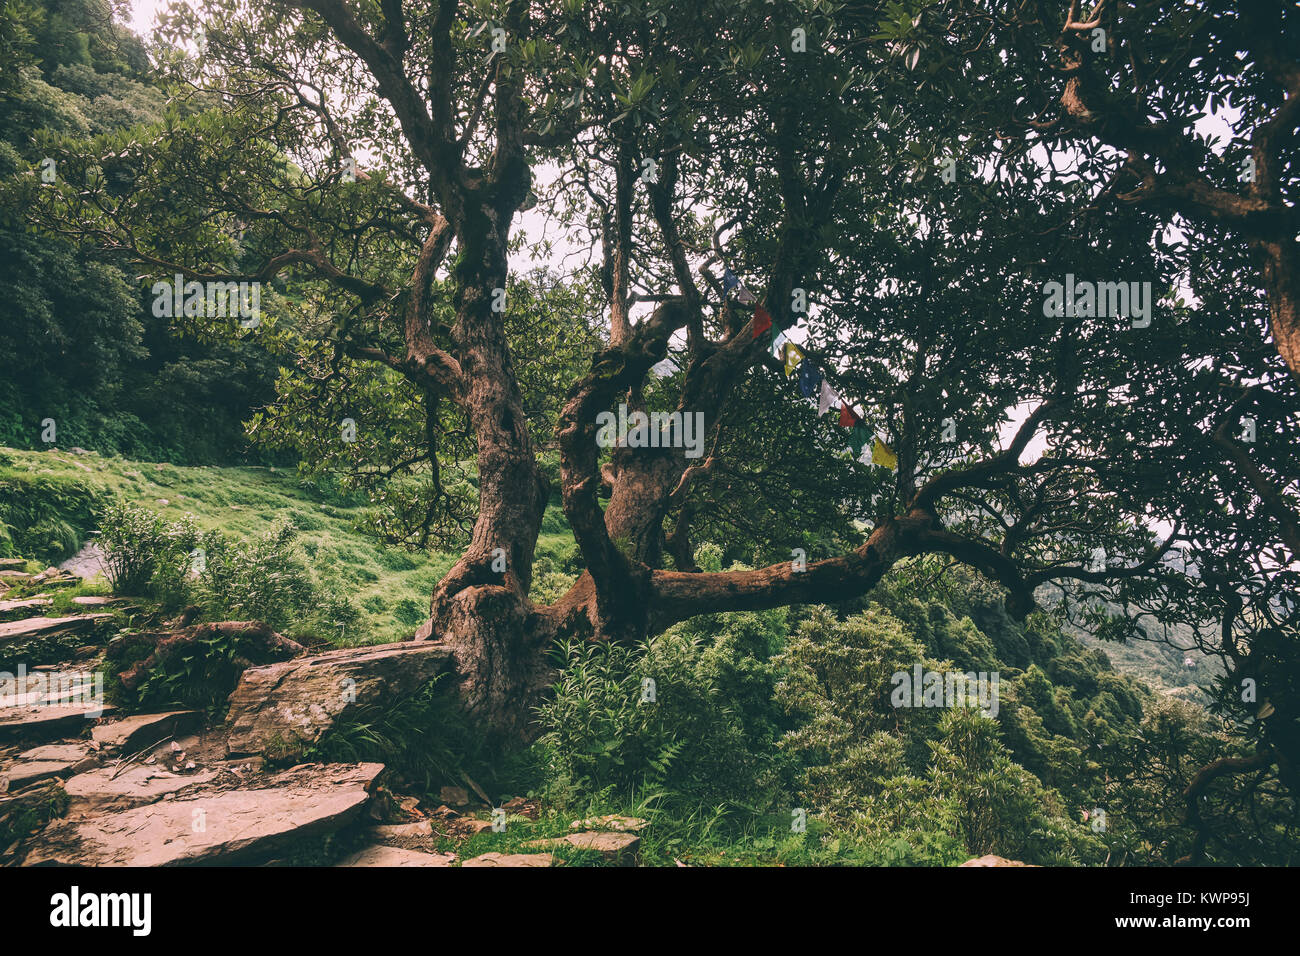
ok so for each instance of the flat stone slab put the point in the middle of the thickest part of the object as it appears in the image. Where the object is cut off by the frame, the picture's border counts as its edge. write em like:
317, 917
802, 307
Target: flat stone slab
45, 626
44, 763
134, 786
30, 771
131, 734
396, 856
208, 824
511, 859
282, 709
24, 607
36, 722
12, 564
615, 847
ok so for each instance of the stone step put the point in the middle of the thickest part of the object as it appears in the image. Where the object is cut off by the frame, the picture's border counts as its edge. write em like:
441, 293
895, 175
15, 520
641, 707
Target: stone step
39, 722
47, 762
212, 822
49, 640
138, 731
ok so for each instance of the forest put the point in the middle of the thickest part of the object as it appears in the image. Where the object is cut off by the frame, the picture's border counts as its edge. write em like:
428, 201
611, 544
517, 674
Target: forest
724, 433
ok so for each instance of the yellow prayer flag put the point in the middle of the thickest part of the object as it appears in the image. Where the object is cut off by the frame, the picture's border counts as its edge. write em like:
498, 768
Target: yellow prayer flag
793, 356
881, 455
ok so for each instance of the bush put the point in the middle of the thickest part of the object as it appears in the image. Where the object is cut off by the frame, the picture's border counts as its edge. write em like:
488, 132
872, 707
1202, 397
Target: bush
261, 578
707, 737
143, 554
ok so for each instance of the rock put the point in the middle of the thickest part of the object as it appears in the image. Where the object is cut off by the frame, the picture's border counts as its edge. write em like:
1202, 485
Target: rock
402, 831
48, 640
615, 847
134, 733
13, 564
55, 578
991, 860
254, 639
43, 763
96, 600
511, 859
206, 824
15, 577
454, 796
41, 722
522, 807
424, 632
611, 822
134, 786
396, 856
22, 608
281, 709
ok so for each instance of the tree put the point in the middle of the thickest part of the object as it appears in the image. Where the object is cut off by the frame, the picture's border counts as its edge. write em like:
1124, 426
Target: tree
373, 159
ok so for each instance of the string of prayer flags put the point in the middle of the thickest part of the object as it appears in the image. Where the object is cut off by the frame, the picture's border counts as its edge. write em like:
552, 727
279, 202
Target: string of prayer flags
731, 281
811, 380
810, 376
882, 455
793, 358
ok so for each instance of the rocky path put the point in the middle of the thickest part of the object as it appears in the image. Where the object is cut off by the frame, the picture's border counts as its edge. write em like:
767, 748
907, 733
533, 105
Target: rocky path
82, 784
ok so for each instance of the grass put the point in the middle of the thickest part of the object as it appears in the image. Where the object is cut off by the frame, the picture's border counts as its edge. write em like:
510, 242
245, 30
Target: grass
390, 585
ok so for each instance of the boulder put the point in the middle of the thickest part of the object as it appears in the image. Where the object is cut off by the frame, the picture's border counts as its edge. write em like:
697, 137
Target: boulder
282, 709
210, 823
396, 856
511, 859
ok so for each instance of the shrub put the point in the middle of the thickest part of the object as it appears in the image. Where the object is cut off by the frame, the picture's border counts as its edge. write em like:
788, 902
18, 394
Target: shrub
261, 578
708, 736
143, 554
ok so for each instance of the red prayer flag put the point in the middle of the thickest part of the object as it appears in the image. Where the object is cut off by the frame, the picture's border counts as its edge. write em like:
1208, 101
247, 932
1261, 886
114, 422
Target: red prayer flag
762, 321
848, 418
